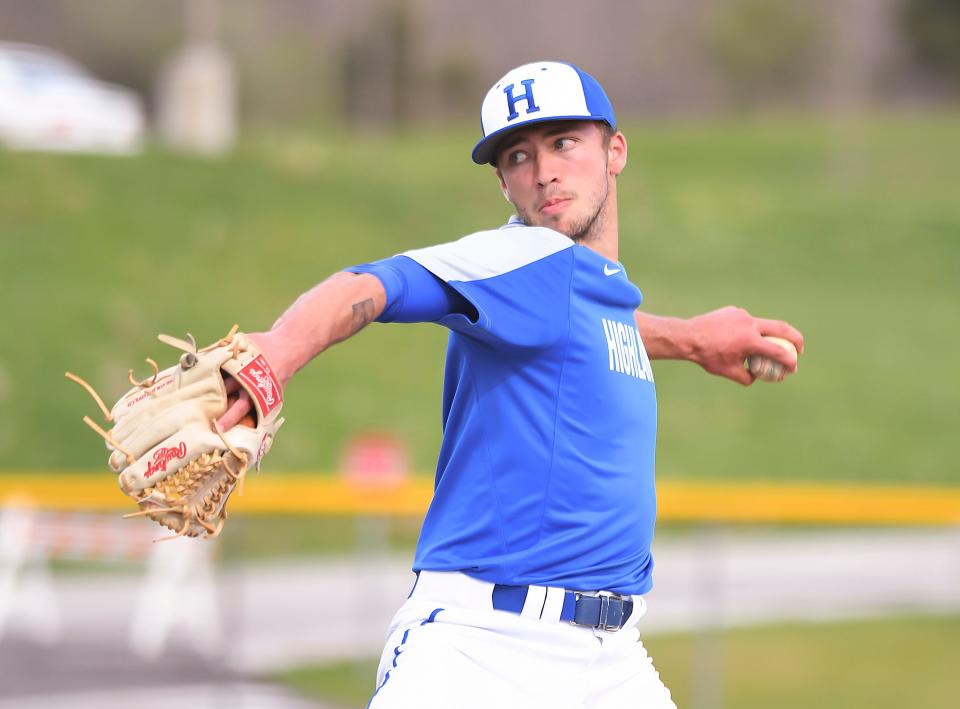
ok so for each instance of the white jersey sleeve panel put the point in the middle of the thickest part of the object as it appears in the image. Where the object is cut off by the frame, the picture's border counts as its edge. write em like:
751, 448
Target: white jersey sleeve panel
486, 254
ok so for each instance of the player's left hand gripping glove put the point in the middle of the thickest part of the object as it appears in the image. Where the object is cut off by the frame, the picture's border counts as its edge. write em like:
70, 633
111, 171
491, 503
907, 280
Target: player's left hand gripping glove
171, 457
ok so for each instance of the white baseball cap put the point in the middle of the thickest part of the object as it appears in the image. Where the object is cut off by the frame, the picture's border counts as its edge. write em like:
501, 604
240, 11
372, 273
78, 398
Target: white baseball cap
538, 92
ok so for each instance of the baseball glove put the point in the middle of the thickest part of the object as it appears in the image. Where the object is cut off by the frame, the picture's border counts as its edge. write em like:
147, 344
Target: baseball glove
171, 456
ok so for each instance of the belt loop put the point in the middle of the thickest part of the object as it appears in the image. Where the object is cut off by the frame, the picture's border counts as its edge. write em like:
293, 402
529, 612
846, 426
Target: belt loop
553, 607
535, 602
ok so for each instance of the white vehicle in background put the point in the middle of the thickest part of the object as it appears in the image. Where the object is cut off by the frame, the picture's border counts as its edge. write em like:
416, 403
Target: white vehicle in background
48, 102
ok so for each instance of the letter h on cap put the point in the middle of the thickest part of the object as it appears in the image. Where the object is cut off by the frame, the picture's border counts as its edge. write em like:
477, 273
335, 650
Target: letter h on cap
527, 96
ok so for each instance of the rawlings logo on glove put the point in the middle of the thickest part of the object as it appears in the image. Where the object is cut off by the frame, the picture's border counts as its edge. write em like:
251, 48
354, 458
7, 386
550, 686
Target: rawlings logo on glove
171, 456
163, 457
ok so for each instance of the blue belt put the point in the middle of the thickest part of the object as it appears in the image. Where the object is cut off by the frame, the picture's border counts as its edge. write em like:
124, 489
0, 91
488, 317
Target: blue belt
606, 611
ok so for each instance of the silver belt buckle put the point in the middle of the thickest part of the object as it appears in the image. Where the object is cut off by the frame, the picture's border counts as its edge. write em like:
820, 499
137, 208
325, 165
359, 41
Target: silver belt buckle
605, 598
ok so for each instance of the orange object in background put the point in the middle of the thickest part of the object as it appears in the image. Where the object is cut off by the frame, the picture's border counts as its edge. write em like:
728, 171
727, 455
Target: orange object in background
375, 458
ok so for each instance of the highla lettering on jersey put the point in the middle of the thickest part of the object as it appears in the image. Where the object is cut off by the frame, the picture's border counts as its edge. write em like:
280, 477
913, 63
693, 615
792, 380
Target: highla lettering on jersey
627, 354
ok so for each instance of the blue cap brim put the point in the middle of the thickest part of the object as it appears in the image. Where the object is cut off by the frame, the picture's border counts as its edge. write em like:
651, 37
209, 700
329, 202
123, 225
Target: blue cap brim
485, 151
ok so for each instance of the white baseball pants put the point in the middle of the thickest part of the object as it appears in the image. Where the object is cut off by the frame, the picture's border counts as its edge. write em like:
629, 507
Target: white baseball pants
447, 648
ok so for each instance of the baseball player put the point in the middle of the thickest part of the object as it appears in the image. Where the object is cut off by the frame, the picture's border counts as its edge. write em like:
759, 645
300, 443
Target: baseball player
535, 552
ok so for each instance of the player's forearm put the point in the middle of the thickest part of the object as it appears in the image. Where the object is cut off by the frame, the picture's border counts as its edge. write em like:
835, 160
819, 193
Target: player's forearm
666, 337
719, 341
328, 313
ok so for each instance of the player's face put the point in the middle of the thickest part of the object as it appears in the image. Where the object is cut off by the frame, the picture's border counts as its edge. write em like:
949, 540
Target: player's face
560, 175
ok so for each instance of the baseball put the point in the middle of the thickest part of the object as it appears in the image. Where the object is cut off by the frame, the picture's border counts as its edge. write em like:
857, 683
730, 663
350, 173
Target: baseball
767, 369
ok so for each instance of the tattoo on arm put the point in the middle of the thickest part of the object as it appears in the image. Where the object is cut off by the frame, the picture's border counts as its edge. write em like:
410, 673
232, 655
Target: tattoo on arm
362, 314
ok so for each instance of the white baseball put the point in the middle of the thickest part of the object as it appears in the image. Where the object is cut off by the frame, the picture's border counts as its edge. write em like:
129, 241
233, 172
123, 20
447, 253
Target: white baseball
767, 369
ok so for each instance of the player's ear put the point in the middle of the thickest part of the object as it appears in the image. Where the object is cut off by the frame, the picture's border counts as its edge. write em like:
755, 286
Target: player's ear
617, 153
503, 186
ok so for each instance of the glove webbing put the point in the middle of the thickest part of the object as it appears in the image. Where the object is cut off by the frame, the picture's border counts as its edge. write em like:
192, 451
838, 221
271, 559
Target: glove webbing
185, 481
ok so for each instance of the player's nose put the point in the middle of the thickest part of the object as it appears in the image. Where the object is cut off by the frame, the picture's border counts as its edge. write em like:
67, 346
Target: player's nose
548, 168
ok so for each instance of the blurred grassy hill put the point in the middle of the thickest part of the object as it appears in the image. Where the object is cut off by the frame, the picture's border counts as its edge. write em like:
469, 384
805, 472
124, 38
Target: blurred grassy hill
849, 228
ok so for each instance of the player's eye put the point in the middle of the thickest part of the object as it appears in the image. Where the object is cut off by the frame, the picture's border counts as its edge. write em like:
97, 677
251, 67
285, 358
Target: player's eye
516, 157
564, 143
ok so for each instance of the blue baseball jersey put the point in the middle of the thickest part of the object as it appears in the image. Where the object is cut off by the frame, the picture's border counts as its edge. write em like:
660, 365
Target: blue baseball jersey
546, 471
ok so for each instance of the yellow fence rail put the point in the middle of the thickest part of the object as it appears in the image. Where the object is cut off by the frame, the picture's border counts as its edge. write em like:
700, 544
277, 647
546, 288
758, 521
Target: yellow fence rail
315, 493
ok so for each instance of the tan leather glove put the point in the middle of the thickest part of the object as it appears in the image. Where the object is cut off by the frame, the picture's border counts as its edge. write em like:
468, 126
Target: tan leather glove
171, 457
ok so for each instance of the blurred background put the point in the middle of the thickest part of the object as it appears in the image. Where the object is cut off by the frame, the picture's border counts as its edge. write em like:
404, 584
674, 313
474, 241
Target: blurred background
183, 165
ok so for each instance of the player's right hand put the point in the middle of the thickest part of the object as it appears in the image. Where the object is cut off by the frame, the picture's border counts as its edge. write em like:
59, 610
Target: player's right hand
726, 337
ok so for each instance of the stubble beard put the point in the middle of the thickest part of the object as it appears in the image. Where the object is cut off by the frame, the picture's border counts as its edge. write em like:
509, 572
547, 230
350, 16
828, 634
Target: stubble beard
587, 229
583, 230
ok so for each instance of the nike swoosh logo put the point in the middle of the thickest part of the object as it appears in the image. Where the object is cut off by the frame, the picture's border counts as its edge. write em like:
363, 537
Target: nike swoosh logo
607, 271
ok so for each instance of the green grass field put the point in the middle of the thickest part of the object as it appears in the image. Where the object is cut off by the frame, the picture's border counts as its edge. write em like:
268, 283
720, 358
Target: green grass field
849, 229
883, 664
